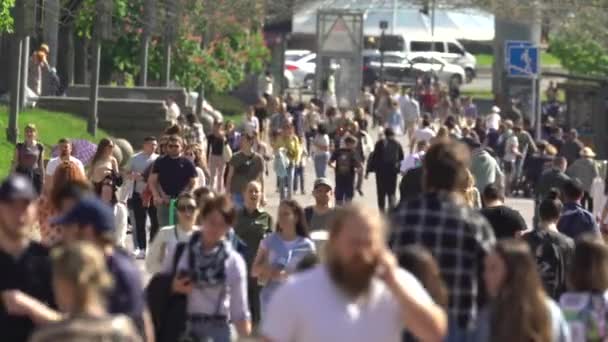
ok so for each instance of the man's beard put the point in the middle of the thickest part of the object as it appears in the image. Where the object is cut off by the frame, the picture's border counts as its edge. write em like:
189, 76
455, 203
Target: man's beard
353, 278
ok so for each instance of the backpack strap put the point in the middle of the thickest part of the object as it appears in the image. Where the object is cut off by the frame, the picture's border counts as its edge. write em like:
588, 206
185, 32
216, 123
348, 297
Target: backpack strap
308, 212
179, 250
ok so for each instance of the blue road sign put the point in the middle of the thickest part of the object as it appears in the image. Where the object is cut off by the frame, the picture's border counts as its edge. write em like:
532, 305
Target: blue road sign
523, 61
513, 43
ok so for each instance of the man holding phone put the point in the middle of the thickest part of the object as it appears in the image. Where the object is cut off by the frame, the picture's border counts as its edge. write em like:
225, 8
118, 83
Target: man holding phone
360, 294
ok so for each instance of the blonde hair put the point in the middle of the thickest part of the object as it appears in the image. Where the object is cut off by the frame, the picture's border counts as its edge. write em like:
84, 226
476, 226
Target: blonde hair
83, 266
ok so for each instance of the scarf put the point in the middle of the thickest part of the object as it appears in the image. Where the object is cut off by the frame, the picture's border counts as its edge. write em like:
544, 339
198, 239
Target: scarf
209, 269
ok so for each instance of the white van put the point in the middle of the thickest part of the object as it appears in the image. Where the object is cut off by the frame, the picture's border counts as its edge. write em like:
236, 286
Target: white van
450, 49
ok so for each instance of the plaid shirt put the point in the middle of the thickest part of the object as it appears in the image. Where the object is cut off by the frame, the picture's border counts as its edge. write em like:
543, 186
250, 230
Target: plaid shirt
458, 238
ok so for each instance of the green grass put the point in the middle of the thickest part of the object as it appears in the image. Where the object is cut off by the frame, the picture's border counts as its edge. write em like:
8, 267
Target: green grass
488, 95
546, 59
51, 127
231, 107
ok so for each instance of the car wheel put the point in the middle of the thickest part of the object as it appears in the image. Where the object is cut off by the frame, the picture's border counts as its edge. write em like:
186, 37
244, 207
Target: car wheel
456, 80
309, 81
470, 74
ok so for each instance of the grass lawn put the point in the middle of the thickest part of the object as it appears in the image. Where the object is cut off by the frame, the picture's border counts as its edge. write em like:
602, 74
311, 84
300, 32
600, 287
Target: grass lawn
51, 127
231, 107
546, 59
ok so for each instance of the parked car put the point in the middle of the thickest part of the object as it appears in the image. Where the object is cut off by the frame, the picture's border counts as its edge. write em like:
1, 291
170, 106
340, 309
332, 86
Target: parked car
449, 49
397, 68
303, 70
431, 62
294, 55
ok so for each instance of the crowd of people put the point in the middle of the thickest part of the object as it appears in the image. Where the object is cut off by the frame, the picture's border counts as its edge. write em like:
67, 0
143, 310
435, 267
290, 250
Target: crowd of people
446, 260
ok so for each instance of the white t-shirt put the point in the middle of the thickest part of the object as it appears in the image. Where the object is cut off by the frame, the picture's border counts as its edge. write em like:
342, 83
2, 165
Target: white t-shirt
424, 134
493, 121
54, 163
511, 146
331, 316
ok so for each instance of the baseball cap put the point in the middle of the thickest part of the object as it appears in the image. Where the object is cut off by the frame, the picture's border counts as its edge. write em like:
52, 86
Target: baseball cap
323, 181
17, 187
89, 211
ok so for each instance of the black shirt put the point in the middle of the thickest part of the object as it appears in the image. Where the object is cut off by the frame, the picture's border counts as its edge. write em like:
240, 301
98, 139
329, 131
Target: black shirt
504, 220
215, 145
347, 161
31, 274
174, 174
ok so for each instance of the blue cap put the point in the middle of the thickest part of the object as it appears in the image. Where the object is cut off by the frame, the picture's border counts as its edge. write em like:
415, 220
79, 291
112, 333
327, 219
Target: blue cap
16, 187
89, 211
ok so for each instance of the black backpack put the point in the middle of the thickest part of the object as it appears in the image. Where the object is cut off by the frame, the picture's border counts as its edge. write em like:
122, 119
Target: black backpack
550, 262
167, 309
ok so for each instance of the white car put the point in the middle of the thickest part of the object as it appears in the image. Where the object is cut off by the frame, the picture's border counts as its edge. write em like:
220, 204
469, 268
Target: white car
294, 55
431, 62
303, 70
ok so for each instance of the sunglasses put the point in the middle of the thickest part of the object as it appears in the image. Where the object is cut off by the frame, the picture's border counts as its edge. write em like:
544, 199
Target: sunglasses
186, 207
173, 146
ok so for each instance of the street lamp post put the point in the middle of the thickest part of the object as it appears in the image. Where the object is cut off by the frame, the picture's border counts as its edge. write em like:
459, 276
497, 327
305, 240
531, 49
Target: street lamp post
383, 27
102, 30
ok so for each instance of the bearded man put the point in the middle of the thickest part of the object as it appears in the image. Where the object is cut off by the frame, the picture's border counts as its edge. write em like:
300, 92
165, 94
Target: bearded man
358, 294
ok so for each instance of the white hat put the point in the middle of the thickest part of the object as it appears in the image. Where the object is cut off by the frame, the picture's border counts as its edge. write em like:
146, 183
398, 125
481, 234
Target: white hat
495, 109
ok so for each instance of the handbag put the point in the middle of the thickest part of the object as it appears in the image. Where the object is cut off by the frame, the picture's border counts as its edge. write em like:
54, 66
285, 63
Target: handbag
168, 310
226, 153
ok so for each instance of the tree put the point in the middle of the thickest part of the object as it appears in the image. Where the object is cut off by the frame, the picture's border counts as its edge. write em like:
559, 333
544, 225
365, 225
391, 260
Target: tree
6, 19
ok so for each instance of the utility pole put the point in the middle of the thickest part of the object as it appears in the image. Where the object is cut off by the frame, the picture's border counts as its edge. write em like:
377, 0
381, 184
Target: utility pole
149, 25
23, 12
170, 33
101, 31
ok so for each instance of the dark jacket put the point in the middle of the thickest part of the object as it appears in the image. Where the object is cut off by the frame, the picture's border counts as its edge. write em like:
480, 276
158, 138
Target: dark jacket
386, 157
551, 179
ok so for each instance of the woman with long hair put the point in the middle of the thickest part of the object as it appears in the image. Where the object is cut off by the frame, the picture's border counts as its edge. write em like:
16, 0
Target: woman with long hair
280, 252
470, 193
81, 282
216, 143
519, 309
106, 190
29, 158
194, 152
167, 237
66, 172
213, 276
585, 305
103, 162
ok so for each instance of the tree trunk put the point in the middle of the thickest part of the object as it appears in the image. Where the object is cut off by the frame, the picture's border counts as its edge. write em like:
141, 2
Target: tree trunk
65, 55
51, 29
81, 56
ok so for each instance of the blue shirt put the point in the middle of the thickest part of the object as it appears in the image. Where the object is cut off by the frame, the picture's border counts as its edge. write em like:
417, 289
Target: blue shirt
127, 296
575, 221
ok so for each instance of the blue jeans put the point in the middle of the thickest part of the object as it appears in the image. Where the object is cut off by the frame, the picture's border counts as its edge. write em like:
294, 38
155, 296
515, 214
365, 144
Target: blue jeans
457, 333
345, 190
282, 184
321, 159
290, 173
216, 331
